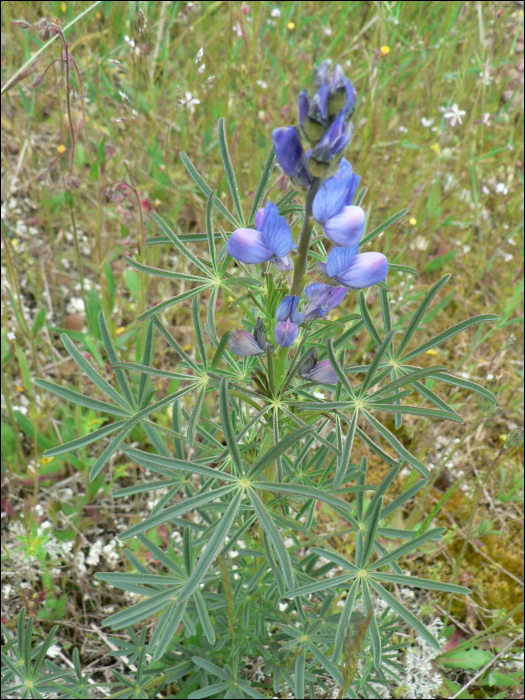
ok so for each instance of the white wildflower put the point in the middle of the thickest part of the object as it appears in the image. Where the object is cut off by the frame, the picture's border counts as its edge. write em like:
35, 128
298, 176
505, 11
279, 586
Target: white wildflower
262, 84
427, 122
276, 12
455, 114
501, 188
200, 54
202, 68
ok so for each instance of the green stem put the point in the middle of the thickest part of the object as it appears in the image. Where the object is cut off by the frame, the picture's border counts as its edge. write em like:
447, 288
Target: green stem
304, 240
461, 556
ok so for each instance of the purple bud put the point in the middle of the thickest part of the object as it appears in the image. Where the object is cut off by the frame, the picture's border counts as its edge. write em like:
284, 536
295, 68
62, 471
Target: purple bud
244, 344
331, 145
322, 73
323, 373
286, 333
42, 175
291, 156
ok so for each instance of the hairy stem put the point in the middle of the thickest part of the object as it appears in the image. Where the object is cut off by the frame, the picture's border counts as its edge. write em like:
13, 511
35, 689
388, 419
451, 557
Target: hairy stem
304, 239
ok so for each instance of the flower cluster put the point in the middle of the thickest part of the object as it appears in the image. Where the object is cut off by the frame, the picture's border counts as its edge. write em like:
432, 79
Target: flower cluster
330, 186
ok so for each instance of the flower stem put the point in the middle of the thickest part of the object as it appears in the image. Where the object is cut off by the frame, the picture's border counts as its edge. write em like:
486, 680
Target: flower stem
304, 239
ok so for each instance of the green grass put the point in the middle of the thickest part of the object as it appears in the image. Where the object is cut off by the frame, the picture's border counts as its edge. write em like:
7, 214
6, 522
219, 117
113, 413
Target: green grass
460, 222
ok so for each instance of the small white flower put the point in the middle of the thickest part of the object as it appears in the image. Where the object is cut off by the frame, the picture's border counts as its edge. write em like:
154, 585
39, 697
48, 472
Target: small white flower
238, 29
123, 96
501, 188
276, 12
202, 68
427, 122
486, 118
455, 114
189, 101
11, 335
200, 54
485, 190
327, 31
210, 80
403, 129
262, 84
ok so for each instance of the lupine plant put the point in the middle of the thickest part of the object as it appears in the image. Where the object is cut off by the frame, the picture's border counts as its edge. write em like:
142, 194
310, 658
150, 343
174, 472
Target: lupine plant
255, 577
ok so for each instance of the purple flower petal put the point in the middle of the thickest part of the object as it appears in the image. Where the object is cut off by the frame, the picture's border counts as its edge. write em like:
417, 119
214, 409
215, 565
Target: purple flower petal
340, 260
288, 308
286, 333
351, 99
247, 246
336, 192
276, 234
347, 227
283, 264
259, 218
289, 150
366, 270
323, 298
323, 373
243, 343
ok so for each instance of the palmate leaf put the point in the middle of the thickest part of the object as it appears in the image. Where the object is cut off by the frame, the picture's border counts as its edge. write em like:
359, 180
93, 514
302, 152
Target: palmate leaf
146, 459
263, 185
168, 274
174, 300
298, 490
449, 333
407, 616
274, 535
397, 445
206, 189
230, 172
279, 449
175, 511
81, 400
213, 547
229, 435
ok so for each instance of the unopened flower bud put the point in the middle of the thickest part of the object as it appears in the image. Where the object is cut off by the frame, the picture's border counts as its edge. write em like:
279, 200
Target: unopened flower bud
39, 80
514, 438
42, 175
20, 24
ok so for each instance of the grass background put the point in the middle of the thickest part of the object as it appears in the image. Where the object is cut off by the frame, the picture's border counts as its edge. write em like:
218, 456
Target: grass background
147, 99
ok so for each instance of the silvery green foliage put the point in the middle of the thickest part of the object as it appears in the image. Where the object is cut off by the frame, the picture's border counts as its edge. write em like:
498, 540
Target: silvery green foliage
259, 448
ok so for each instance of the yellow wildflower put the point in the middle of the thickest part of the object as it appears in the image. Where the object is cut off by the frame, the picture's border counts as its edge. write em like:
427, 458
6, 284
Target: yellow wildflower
63, 7
432, 351
291, 26
436, 149
413, 221
385, 50
61, 149
47, 460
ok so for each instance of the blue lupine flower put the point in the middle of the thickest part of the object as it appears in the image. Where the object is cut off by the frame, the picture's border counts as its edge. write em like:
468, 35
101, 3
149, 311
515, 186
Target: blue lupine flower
319, 372
286, 333
245, 344
272, 240
291, 156
355, 271
289, 319
323, 299
288, 309
336, 192
333, 144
